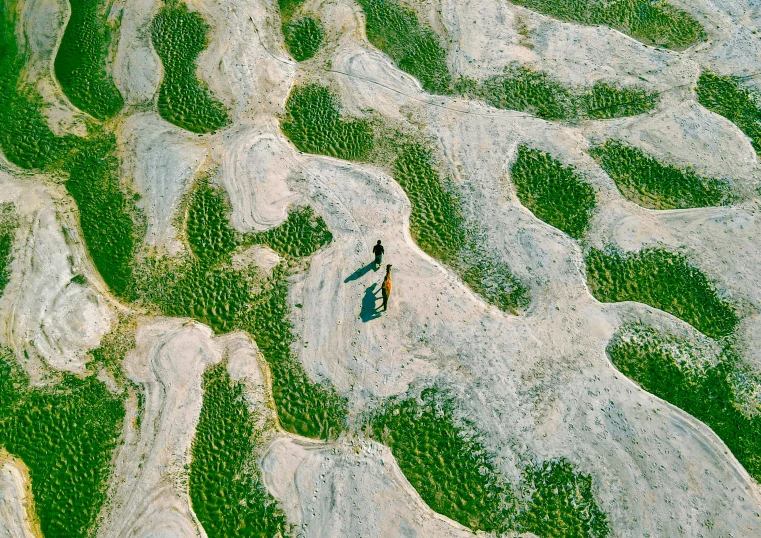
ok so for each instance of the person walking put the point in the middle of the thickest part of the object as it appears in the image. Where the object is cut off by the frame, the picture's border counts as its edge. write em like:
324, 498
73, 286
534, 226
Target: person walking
378, 251
386, 287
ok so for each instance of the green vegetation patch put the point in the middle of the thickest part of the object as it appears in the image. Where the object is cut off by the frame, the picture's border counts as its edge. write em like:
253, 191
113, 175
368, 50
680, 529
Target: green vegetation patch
314, 124
605, 101
80, 64
553, 192
665, 366
560, 503
209, 233
663, 280
645, 181
8, 226
66, 436
446, 461
654, 22
179, 36
538, 93
303, 36
206, 287
111, 223
396, 30
225, 487
726, 96
438, 227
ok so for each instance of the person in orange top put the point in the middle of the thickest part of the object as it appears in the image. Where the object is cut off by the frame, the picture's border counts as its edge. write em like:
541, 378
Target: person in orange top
386, 287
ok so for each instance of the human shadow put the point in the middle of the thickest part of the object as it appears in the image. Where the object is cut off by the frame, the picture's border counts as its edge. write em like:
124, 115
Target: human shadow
359, 273
369, 310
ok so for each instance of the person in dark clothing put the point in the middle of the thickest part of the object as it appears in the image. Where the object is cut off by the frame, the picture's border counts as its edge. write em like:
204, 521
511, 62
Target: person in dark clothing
378, 251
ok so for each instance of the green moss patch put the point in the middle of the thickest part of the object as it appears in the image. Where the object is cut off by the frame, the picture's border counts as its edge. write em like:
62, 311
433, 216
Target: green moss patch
446, 461
210, 236
664, 365
66, 436
645, 181
663, 280
604, 101
179, 36
303, 33
8, 226
314, 124
555, 193
25, 137
396, 30
538, 93
654, 22
110, 222
438, 227
727, 96
225, 487
303, 36
560, 503
80, 64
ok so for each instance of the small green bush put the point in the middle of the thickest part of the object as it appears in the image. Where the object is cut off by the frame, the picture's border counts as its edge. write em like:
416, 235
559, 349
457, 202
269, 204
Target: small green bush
659, 363
649, 183
396, 30
179, 36
314, 125
553, 192
727, 97
663, 280
654, 22
224, 483
80, 64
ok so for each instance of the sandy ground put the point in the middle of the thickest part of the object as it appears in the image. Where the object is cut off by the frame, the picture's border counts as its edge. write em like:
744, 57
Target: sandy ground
539, 385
